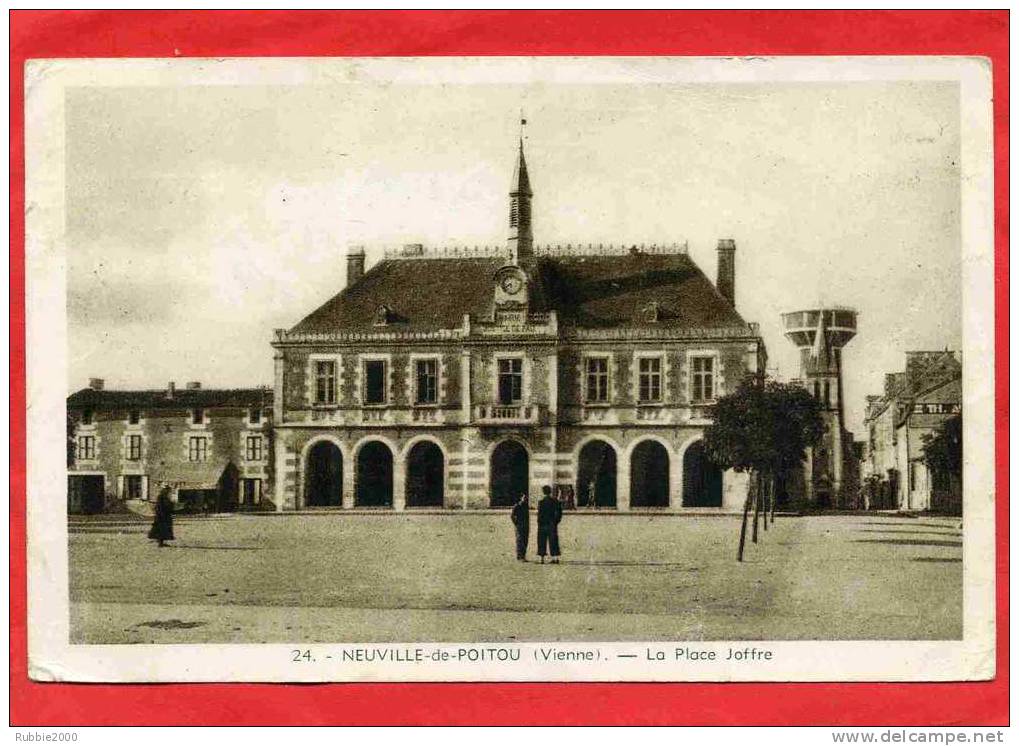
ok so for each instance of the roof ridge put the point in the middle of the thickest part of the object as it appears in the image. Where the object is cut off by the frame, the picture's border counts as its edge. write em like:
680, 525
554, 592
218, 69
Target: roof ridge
418, 251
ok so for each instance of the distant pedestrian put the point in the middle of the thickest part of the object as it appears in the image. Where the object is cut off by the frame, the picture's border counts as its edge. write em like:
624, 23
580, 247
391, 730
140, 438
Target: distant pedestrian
550, 512
521, 517
162, 525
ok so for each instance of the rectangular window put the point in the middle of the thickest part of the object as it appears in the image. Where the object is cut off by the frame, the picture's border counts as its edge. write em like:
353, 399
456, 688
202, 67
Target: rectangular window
255, 416
597, 388
198, 449
134, 417
511, 380
374, 381
134, 447
197, 416
86, 447
325, 381
86, 417
254, 449
427, 381
132, 486
703, 375
251, 491
649, 380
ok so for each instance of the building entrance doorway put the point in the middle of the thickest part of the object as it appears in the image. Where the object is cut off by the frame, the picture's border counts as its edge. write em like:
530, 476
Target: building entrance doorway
510, 474
86, 493
323, 483
425, 467
596, 475
374, 488
649, 475
702, 479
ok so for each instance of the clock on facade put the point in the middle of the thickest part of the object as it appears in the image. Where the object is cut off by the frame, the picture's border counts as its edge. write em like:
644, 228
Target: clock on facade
511, 284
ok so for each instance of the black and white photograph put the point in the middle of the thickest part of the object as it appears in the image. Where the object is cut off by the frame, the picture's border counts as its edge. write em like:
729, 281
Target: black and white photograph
510, 369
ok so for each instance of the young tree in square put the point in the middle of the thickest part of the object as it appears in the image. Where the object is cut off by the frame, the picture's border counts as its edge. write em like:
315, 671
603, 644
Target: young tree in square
765, 428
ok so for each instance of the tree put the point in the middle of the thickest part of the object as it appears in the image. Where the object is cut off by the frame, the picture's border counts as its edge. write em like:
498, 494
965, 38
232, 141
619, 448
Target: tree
764, 427
69, 441
942, 451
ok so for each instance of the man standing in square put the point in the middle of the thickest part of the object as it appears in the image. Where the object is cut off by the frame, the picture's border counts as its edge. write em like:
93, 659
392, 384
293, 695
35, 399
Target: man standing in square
550, 512
521, 517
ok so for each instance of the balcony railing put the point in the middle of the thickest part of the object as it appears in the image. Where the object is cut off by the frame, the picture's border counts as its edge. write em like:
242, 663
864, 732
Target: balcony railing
505, 414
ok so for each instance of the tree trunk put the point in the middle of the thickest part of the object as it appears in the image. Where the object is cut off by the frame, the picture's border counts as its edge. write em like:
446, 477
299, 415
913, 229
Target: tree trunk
772, 499
764, 505
743, 529
757, 506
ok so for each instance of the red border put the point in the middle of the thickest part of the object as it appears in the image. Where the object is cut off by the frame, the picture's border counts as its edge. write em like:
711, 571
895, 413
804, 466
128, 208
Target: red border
385, 33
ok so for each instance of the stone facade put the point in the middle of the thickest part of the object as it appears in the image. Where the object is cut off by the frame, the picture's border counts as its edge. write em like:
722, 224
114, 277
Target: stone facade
914, 404
212, 447
461, 378
467, 422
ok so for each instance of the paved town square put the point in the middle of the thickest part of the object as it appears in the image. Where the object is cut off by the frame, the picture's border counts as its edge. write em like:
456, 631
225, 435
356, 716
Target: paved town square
452, 577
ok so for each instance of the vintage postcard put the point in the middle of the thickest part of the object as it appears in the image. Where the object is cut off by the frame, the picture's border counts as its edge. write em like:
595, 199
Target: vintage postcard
510, 369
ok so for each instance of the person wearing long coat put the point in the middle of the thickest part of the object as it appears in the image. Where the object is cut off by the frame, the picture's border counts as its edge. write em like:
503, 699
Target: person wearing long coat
521, 517
162, 525
550, 512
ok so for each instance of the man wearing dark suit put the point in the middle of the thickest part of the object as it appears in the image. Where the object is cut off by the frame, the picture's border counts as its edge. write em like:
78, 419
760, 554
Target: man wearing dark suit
521, 517
550, 512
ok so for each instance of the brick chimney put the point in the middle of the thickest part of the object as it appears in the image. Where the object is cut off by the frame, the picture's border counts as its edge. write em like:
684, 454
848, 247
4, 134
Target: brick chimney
726, 282
892, 381
96, 384
355, 265
171, 389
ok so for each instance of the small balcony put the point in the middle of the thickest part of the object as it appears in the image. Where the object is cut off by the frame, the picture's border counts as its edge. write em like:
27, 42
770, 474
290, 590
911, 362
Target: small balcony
506, 414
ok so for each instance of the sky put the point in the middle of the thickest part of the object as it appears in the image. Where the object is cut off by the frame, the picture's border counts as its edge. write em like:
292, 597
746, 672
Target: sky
200, 218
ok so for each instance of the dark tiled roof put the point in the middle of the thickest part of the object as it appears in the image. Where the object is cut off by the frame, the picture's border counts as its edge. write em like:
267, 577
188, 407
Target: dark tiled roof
182, 399
424, 294
606, 291
589, 291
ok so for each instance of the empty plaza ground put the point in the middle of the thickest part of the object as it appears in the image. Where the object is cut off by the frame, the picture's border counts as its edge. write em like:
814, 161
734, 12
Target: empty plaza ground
452, 577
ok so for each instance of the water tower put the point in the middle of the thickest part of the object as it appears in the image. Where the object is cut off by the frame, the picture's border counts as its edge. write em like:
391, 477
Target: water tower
821, 333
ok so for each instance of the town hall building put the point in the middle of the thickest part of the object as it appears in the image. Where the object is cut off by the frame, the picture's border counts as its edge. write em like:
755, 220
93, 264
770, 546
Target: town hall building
463, 378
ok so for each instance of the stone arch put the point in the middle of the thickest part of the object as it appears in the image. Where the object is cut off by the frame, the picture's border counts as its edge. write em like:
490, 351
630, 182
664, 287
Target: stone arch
323, 463
650, 472
509, 472
374, 473
597, 467
425, 467
702, 478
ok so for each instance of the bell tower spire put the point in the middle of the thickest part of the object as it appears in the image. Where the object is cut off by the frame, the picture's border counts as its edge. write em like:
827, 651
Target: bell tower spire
521, 239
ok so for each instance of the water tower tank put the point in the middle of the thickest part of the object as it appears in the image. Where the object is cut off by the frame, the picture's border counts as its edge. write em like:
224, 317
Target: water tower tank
801, 327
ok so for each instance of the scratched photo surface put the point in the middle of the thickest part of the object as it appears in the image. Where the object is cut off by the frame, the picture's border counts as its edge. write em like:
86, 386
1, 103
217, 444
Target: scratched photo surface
370, 359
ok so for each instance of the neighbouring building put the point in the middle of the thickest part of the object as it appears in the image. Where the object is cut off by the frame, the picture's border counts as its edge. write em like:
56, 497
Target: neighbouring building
212, 447
915, 403
829, 474
464, 377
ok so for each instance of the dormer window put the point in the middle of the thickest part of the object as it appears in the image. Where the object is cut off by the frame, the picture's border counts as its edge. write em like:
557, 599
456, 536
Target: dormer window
383, 315
197, 416
134, 417
651, 313
255, 416
86, 417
